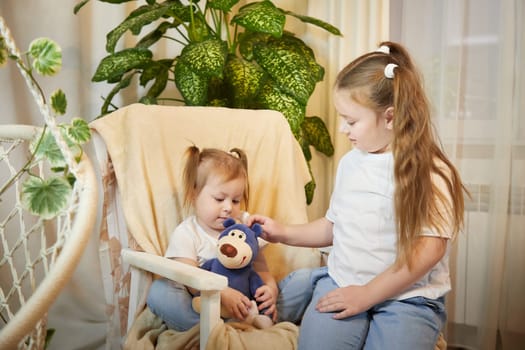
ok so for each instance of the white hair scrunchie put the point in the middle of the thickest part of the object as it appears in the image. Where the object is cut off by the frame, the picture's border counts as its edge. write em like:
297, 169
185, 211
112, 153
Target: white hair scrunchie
384, 49
389, 70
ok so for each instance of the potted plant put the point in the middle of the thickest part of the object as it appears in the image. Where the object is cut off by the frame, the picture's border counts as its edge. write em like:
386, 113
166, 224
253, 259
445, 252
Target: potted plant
242, 59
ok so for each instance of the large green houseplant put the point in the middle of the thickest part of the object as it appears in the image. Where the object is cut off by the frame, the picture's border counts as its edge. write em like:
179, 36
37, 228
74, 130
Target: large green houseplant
242, 59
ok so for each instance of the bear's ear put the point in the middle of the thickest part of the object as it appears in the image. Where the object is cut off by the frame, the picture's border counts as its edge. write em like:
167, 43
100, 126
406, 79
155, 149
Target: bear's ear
228, 222
257, 229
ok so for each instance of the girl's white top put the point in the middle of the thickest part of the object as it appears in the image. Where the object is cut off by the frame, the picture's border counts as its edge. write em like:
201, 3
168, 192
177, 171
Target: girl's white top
362, 211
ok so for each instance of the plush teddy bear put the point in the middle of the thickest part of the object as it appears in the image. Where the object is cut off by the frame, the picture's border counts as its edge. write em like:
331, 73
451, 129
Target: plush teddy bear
237, 247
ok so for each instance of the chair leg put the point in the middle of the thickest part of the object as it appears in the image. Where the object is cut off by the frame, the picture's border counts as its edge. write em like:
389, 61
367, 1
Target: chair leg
139, 284
210, 314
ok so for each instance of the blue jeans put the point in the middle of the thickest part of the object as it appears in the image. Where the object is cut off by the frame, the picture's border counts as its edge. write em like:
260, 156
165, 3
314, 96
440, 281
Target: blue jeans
295, 294
171, 301
413, 323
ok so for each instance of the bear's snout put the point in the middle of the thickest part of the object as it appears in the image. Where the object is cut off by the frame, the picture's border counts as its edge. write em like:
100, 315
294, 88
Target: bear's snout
228, 250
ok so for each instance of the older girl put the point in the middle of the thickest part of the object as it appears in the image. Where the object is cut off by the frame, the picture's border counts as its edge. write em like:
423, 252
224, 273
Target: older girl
396, 205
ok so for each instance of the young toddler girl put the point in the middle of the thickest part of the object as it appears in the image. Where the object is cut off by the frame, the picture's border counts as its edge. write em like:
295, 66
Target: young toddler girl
215, 188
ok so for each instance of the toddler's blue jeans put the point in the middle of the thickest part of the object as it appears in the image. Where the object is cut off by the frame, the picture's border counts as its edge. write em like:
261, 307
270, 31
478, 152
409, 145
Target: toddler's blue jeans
171, 301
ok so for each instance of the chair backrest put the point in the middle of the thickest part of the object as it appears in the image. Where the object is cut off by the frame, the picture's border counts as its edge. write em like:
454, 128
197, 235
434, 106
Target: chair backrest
37, 256
145, 146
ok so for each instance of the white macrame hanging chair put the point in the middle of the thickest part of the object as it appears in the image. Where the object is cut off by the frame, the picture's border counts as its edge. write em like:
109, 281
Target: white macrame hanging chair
38, 257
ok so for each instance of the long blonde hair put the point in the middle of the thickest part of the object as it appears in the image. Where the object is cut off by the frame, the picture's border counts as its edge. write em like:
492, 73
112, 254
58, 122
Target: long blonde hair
201, 164
418, 158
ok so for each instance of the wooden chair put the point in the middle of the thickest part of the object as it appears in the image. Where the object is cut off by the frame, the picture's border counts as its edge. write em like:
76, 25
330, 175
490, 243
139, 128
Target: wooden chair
140, 152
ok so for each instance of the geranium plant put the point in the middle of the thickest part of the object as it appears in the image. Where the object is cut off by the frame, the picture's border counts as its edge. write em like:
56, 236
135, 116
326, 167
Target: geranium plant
231, 56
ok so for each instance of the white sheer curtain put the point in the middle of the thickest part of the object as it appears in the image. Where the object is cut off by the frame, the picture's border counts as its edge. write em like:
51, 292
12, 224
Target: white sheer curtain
472, 54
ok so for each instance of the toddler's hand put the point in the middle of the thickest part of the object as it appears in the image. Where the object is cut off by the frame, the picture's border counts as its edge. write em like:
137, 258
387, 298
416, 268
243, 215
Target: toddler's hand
266, 297
235, 303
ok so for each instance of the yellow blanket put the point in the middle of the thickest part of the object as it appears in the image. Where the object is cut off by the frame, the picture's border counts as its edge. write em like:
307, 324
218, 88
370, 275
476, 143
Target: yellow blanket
148, 333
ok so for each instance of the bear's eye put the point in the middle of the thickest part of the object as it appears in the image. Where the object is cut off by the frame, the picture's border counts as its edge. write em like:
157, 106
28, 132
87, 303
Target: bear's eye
237, 234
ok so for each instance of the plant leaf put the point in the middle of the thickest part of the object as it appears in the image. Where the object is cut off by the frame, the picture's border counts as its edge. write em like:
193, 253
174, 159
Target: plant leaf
154, 36
154, 68
248, 40
47, 56
272, 98
148, 100
223, 5
261, 17
182, 13
45, 147
192, 86
206, 58
123, 83
3, 52
219, 93
116, 1
244, 80
292, 43
317, 135
112, 67
315, 21
309, 189
305, 145
79, 131
159, 72
45, 198
198, 29
161, 81
137, 19
79, 6
289, 69
59, 102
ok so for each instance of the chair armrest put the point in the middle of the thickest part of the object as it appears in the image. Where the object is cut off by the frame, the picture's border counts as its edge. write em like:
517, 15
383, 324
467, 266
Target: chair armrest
210, 284
190, 276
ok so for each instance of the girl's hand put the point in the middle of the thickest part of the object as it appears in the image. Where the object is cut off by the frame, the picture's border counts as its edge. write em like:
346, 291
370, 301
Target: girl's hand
272, 230
235, 303
347, 301
266, 297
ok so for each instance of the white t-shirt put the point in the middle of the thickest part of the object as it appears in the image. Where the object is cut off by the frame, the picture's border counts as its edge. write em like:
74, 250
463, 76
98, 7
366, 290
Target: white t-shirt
189, 240
364, 231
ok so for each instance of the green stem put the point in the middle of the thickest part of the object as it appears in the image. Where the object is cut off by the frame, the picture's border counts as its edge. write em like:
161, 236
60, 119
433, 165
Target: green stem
169, 99
176, 40
25, 168
234, 43
26, 67
217, 23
